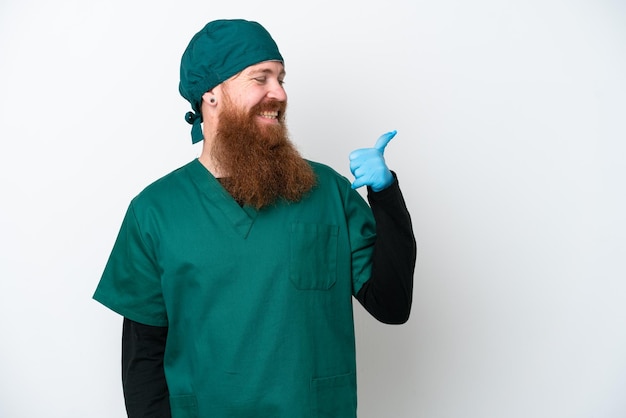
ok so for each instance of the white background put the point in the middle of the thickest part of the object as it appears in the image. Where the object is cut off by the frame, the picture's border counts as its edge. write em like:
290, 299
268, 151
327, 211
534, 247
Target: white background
510, 151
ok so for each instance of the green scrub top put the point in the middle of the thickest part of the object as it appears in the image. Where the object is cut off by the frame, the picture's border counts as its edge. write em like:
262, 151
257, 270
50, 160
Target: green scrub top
258, 302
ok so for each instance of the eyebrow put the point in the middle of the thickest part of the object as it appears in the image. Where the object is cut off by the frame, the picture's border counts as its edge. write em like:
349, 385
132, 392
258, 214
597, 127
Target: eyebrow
267, 71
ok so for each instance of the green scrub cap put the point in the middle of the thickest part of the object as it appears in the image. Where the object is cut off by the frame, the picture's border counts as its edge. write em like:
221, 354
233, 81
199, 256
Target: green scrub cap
220, 50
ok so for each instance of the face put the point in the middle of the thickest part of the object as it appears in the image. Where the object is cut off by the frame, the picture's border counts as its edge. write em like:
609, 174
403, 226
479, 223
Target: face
259, 88
251, 149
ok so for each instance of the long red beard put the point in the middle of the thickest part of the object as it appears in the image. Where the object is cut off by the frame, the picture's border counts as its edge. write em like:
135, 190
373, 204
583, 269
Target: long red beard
261, 163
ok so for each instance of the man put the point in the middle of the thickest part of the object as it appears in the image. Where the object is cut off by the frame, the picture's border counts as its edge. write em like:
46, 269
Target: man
235, 273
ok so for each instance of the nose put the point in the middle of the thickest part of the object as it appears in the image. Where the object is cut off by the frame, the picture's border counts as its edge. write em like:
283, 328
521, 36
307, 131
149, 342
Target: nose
277, 92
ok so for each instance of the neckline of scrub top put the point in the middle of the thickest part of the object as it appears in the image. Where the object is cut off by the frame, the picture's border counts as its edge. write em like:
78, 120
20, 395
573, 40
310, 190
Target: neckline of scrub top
241, 217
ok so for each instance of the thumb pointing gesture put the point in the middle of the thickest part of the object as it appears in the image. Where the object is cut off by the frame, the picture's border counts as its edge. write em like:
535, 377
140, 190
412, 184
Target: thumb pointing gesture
383, 140
368, 165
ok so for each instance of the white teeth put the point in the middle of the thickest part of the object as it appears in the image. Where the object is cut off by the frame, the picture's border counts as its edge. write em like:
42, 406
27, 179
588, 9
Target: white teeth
271, 115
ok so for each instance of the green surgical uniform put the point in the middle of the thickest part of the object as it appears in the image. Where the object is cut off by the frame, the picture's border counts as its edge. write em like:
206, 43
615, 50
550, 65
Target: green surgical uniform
258, 303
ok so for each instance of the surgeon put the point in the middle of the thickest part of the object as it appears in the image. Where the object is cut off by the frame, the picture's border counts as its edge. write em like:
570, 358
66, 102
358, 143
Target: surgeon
235, 273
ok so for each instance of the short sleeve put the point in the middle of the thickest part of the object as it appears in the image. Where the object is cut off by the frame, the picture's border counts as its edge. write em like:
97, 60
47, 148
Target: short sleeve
131, 282
362, 232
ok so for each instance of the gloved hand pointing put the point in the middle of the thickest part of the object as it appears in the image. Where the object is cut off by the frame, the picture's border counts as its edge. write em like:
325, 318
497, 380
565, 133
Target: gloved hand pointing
368, 165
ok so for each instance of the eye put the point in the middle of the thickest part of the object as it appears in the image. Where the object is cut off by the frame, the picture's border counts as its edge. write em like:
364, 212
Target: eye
264, 80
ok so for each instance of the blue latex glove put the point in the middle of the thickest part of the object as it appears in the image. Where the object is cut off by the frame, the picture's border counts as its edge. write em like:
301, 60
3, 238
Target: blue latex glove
368, 165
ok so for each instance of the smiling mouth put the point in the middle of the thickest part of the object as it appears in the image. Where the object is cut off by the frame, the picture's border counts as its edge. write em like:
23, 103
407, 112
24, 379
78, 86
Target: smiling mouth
269, 114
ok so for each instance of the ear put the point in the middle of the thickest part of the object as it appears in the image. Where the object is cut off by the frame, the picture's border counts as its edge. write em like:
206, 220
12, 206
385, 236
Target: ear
209, 98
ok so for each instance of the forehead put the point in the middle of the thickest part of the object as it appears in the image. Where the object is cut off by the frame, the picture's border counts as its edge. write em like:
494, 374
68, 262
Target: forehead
266, 67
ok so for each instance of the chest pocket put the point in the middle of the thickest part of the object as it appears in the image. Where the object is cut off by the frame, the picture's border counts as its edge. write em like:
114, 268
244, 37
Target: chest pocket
313, 256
